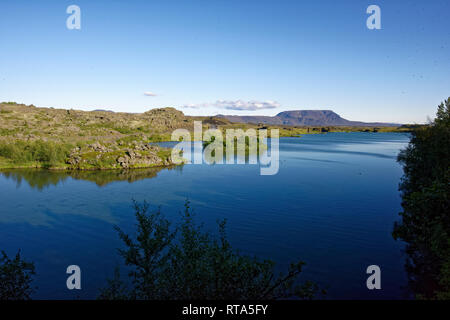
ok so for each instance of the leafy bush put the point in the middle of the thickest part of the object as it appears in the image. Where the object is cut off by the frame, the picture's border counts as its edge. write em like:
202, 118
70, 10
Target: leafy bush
44, 152
188, 263
15, 278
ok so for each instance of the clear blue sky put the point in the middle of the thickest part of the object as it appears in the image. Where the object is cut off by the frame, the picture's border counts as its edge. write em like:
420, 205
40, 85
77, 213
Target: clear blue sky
301, 54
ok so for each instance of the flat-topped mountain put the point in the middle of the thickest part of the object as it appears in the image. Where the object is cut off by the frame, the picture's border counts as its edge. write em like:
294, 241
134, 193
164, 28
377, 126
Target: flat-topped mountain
303, 118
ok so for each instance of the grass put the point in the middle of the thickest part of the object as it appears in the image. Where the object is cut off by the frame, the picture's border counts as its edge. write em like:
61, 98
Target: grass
165, 154
39, 153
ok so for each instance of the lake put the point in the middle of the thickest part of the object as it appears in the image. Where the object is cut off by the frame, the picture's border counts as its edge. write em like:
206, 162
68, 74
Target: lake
332, 204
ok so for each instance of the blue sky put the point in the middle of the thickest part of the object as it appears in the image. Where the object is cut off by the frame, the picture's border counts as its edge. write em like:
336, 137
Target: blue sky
287, 54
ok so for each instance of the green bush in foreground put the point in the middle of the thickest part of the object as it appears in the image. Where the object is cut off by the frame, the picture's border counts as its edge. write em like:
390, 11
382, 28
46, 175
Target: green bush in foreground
15, 278
188, 263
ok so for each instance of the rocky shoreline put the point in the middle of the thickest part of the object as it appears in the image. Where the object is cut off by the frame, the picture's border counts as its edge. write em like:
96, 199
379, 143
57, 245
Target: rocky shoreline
114, 156
97, 156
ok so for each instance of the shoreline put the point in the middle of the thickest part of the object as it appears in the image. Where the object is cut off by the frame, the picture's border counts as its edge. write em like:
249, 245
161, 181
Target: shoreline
56, 139
6, 164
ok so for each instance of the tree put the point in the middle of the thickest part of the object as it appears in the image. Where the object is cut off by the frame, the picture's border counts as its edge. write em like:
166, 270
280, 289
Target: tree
425, 220
15, 278
188, 263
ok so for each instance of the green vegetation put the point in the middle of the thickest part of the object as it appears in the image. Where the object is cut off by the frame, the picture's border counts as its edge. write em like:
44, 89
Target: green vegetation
247, 150
425, 224
159, 137
165, 154
178, 263
188, 263
15, 278
50, 138
108, 140
36, 153
293, 131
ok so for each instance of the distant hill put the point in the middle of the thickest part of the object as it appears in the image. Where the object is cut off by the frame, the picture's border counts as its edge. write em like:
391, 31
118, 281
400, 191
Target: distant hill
304, 118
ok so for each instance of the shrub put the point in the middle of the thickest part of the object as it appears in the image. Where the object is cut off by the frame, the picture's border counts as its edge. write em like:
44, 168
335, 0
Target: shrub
15, 278
44, 152
425, 224
188, 263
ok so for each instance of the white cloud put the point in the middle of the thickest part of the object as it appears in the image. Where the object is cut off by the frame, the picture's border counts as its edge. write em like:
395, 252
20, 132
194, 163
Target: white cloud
194, 106
150, 94
239, 105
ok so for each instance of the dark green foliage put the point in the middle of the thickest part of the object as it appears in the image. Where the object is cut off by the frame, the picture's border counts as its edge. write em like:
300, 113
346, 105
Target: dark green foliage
116, 289
425, 224
188, 263
15, 278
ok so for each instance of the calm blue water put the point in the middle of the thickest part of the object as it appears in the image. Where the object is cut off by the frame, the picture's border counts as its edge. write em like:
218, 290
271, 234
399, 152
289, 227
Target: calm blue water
332, 205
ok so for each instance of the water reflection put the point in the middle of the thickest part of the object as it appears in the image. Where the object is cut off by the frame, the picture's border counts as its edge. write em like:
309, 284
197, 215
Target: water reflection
40, 178
321, 206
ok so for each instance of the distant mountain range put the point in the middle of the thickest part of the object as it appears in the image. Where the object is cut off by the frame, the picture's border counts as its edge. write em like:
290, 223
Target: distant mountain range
304, 118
